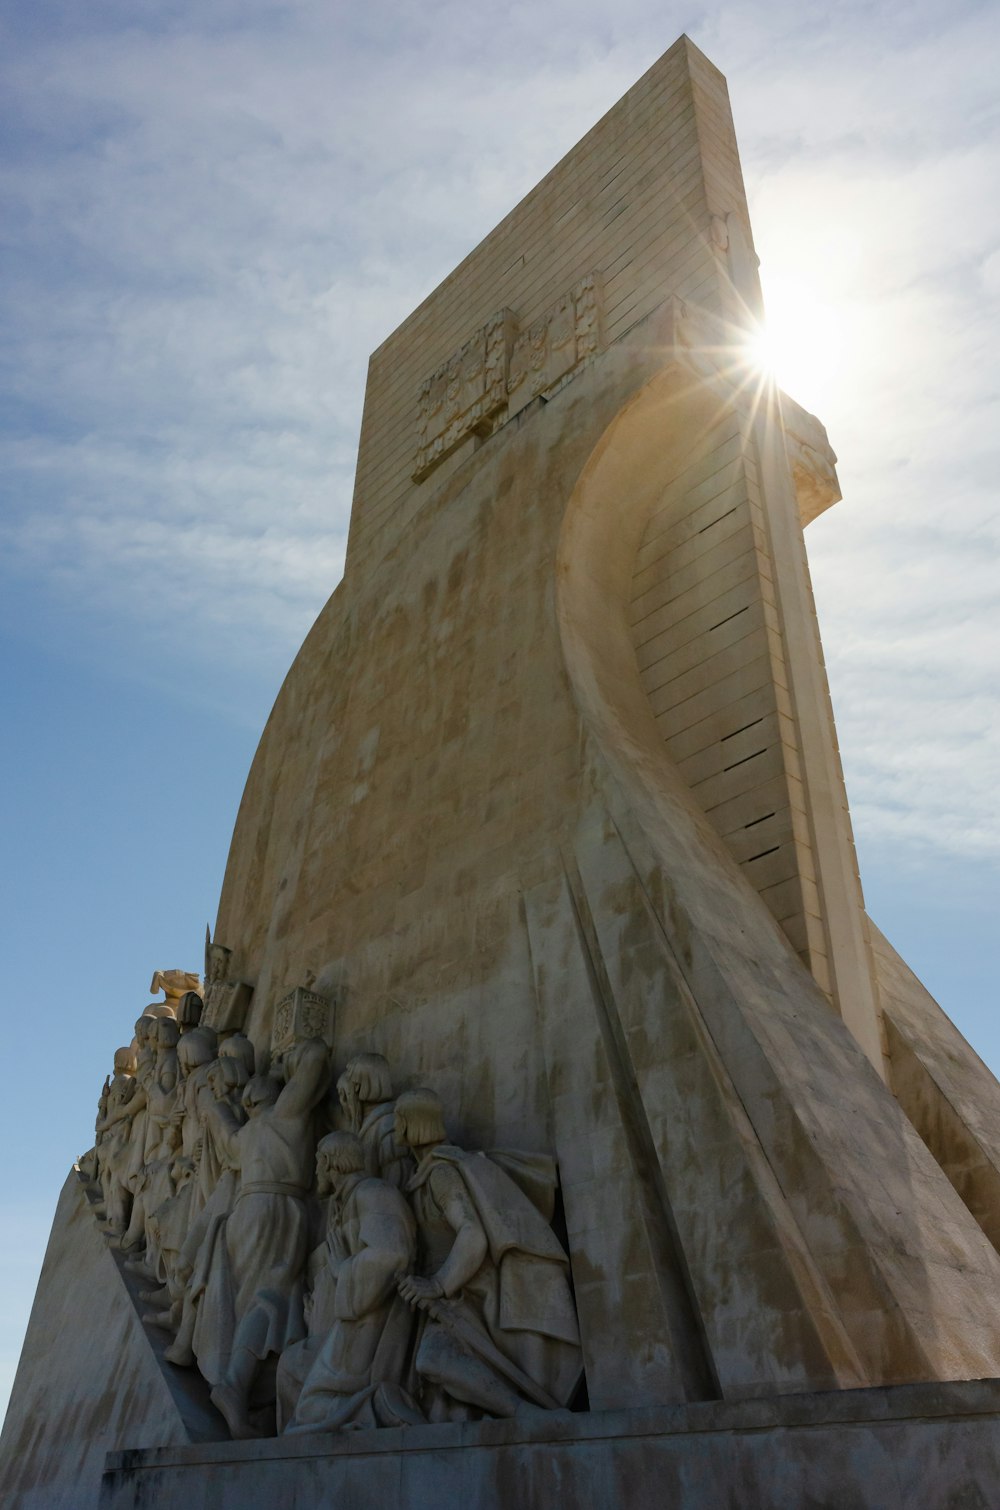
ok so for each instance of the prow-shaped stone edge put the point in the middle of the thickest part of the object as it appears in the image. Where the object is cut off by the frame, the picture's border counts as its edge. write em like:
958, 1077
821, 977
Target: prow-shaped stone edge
92, 1377
188, 1389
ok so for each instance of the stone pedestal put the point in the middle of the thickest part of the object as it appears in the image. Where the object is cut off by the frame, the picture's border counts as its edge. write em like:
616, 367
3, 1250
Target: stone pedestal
870, 1449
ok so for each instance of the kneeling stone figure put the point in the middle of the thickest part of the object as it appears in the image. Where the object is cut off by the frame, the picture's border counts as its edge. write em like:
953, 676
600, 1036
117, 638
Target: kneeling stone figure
355, 1380
498, 1334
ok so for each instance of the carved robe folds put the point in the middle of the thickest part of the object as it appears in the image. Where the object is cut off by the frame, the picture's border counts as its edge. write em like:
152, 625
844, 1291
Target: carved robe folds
495, 1256
354, 1379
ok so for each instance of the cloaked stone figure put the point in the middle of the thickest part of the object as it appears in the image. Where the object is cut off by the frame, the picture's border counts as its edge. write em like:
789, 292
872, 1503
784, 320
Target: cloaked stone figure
355, 1378
189, 1011
500, 1334
217, 958
112, 1141
169, 1223
153, 1184
237, 1054
205, 1333
365, 1093
267, 1233
126, 1124
144, 1047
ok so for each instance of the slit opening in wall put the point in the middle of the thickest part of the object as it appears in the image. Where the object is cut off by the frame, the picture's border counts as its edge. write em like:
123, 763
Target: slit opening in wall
735, 763
729, 617
713, 522
772, 851
742, 729
754, 821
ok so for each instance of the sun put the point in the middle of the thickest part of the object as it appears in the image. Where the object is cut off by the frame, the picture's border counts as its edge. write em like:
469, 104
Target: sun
802, 345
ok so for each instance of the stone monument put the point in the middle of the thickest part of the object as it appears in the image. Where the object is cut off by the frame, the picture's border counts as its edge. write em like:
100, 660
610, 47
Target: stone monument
558, 1127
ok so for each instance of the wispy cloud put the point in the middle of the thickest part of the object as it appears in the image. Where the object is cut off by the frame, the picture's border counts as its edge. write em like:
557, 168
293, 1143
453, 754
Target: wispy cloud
211, 221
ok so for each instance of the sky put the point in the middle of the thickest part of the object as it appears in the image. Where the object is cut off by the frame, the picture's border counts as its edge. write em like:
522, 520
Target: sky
210, 215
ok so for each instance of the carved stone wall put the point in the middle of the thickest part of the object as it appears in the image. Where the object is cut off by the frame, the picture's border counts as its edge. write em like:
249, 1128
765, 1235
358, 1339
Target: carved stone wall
500, 369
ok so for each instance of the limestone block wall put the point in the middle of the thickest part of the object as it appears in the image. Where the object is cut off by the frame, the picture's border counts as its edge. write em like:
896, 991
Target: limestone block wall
465, 825
470, 835
707, 634
633, 200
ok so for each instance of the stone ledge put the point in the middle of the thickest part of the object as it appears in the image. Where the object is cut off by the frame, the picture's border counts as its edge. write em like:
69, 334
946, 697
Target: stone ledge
851, 1407
873, 1449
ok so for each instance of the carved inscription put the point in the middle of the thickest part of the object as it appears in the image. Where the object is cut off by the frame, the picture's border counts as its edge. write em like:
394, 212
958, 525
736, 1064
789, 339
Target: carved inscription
550, 349
463, 396
500, 369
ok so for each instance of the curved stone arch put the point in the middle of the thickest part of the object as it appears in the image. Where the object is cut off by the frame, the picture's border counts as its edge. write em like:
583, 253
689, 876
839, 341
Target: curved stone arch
684, 680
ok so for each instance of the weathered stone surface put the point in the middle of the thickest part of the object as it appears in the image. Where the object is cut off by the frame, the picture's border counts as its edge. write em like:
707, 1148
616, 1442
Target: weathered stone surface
869, 1449
91, 1376
946, 1090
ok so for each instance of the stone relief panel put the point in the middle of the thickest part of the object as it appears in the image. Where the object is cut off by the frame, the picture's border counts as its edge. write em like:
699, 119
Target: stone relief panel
317, 1247
299, 1016
550, 349
226, 1001
465, 394
500, 369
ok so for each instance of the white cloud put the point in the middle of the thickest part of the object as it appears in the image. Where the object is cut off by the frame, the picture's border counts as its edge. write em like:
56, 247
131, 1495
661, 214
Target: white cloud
219, 219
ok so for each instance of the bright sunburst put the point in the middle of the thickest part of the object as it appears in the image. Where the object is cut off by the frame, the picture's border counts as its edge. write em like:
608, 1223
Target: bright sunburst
801, 345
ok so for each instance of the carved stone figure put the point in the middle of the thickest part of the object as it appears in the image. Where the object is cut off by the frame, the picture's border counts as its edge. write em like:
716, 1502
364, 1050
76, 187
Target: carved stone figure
169, 1222
205, 1330
89, 1164
189, 1010
226, 1001
237, 1053
500, 1334
112, 1140
174, 984
354, 1380
128, 1108
153, 1185
267, 1234
239, 1048
144, 1048
365, 1093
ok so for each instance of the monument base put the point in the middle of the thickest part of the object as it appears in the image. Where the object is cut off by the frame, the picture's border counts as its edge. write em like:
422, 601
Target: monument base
874, 1449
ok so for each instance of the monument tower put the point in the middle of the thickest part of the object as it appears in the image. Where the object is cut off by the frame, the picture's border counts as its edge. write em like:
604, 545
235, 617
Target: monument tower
549, 818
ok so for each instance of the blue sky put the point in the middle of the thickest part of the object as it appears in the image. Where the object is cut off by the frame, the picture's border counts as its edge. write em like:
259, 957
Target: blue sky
211, 214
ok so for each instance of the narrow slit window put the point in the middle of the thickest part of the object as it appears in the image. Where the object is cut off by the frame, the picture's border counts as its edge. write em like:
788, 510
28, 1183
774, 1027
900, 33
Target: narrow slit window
745, 759
742, 729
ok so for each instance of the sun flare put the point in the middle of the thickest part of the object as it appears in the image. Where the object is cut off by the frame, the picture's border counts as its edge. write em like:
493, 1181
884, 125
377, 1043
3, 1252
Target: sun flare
801, 345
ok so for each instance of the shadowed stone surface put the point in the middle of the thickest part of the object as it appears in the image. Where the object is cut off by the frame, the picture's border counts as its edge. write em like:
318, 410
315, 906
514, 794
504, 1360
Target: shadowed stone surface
893, 1449
91, 1375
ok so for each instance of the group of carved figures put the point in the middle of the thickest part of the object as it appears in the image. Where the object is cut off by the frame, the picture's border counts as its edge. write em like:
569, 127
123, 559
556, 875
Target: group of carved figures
320, 1251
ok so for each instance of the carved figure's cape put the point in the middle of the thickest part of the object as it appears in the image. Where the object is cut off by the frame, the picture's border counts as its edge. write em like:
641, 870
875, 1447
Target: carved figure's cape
534, 1297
